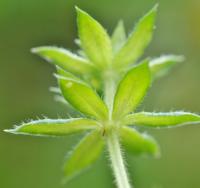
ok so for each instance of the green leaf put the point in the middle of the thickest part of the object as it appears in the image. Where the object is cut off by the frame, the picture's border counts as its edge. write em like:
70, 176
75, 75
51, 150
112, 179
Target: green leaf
62, 72
167, 119
64, 59
94, 39
84, 154
137, 41
92, 80
57, 127
160, 66
83, 98
137, 143
131, 90
118, 37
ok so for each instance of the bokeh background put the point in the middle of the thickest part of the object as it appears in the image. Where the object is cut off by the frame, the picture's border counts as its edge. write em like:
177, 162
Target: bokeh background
29, 162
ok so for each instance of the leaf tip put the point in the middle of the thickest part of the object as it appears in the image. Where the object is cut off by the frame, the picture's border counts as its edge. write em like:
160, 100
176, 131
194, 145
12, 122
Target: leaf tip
179, 58
155, 7
37, 50
121, 22
65, 180
34, 50
81, 15
77, 8
156, 151
157, 154
152, 13
79, 11
12, 131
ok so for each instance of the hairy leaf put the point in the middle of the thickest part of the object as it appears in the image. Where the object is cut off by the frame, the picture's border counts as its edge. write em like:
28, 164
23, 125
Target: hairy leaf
94, 39
137, 41
61, 72
160, 66
64, 59
57, 127
83, 98
84, 154
118, 37
92, 80
131, 90
161, 119
137, 143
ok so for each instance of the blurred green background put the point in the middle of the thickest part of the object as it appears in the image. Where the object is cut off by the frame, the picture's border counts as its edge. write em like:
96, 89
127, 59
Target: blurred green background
29, 162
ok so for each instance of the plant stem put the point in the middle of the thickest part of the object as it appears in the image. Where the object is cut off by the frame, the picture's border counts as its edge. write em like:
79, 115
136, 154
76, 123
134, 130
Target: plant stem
109, 91
117, 161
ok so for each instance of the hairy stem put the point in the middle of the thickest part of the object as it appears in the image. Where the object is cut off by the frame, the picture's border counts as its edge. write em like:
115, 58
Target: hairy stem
117, 161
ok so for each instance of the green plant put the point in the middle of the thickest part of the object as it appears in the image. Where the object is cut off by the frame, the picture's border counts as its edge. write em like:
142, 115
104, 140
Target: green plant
106, 66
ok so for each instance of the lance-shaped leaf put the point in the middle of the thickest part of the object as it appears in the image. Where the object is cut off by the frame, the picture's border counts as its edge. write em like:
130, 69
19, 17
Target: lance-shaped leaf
83, 98
118, 37
84, 154
57, 127
160, 66
62, 73
167, 119
131, 90
91, 79
94, 39
64, 59
137, 41
137, 143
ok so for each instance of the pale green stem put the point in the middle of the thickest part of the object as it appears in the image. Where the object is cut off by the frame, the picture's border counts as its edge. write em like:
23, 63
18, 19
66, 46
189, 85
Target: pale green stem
109, 90
117, 161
